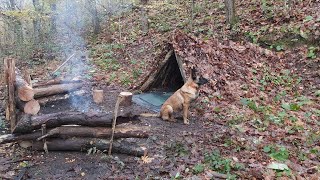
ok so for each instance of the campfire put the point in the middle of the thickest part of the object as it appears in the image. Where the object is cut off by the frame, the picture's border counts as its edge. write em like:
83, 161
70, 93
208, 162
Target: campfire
77, 130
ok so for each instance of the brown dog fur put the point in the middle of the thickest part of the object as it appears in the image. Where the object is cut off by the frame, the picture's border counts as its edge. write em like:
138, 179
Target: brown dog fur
181, 99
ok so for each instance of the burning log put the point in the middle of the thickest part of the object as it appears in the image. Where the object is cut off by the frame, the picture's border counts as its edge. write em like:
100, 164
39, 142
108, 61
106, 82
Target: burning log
24, 90
82, 144
55, 81
97, 96
79, 131
30, 107
29, 123
56, 89
44, 100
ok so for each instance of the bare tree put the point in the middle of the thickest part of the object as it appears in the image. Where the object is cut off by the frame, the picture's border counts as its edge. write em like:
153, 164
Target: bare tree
36, 22
95, 18
17, 26
144, 17
192, 14
230, 11
53, 17
144, 1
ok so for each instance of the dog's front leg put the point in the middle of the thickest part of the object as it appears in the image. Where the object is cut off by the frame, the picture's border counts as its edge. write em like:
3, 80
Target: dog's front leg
185, 113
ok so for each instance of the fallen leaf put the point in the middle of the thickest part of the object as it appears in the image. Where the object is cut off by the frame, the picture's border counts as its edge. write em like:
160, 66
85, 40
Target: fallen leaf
278, 166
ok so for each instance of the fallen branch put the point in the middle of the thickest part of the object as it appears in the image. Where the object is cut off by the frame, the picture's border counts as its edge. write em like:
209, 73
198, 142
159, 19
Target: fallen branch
56, 89
79, 131
219, 175
97, 132
70, 57
83, 144
29, 123
54, 82
44, 100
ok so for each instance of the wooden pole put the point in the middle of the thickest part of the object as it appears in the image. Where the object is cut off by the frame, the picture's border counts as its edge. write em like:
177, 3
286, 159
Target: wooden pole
11, 97
97, 96
126, 99
5, 67
114, 122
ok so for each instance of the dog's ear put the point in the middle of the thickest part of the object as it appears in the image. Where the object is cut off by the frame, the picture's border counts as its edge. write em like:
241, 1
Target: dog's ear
194, 73
202, 80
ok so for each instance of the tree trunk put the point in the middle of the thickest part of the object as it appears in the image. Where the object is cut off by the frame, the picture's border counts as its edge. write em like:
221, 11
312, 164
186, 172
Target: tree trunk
56, 89
230, 11
84, 144
36, 23
95, 17
53, 18
192, 14
144, 21
17, 29
144, 2
79, 131
29, 123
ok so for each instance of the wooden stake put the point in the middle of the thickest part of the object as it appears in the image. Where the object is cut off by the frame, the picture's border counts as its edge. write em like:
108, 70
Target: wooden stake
11, 97
114, 122
126, 99
5, 67
97, 96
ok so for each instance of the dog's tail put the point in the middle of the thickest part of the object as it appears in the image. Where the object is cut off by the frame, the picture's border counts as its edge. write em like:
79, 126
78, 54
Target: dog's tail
149, 115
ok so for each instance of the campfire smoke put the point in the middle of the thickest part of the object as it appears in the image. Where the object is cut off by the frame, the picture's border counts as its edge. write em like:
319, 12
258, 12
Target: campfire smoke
73, 20
71, 26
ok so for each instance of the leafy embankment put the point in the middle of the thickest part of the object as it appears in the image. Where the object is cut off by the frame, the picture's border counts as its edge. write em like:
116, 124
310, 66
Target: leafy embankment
269, 106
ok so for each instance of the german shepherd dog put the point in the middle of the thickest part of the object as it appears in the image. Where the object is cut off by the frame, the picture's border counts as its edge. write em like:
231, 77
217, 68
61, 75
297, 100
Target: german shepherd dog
181, 99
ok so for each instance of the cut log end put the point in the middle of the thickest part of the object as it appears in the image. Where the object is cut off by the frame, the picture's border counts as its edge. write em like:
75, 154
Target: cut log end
126, 99
97, 96
32, 107
25, 93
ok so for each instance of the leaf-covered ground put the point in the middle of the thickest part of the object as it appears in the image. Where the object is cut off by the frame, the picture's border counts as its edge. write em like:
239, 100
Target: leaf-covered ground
269, 106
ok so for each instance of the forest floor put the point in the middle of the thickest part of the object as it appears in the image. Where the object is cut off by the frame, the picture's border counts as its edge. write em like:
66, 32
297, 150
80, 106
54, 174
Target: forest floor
273, 133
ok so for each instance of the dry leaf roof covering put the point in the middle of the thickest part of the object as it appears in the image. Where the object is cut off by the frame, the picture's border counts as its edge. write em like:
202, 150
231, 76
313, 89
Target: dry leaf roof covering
228, 64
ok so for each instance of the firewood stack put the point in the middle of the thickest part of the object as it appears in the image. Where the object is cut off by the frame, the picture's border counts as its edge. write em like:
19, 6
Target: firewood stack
65, 130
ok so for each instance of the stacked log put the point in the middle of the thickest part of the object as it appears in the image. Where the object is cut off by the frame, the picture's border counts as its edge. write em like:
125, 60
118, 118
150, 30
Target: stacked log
65, 130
